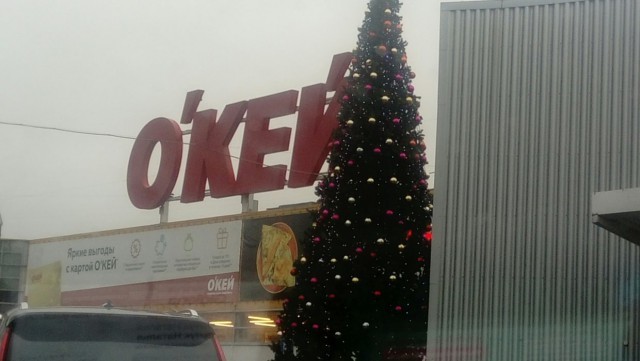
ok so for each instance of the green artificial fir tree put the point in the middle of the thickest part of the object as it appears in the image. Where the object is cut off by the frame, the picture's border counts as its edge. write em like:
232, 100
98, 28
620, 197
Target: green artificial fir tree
362, 279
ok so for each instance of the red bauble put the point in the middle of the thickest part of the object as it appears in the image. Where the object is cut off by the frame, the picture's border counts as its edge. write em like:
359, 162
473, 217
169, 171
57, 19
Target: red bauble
428, 236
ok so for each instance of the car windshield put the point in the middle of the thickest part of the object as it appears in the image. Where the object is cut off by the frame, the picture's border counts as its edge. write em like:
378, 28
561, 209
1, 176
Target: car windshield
336, 180
102, 338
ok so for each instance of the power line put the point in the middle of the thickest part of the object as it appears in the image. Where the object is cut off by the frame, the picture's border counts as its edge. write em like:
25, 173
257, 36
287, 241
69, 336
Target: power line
67, 130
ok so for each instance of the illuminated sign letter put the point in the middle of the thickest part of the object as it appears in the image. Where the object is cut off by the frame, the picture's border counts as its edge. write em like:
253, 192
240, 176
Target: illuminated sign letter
259, 140
166, 132
209, 158
315, 125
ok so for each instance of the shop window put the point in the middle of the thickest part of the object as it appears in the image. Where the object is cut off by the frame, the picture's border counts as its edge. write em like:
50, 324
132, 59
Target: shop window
224, 325
11, 271
245, 327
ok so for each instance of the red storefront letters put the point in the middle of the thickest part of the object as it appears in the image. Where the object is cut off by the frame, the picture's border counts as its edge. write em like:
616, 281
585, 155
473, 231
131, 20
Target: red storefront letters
209, 159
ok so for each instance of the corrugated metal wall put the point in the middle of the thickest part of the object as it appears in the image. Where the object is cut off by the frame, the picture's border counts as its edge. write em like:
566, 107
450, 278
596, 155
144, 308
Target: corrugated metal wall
538, 109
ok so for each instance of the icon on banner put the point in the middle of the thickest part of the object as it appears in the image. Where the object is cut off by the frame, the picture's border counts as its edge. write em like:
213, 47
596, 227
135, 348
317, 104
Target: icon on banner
136, 246
222, 237
188, 243
161, 246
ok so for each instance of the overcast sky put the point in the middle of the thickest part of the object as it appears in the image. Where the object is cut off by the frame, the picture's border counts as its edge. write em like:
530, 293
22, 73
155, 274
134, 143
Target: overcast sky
110, 66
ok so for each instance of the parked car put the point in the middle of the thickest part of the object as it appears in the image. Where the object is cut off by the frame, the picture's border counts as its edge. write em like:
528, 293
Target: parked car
103, 334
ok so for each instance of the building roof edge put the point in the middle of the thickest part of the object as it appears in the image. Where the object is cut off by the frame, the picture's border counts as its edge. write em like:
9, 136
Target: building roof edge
500, 4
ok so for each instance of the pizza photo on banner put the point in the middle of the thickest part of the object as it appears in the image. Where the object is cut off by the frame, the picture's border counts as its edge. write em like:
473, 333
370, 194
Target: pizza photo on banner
269, 247
277, 250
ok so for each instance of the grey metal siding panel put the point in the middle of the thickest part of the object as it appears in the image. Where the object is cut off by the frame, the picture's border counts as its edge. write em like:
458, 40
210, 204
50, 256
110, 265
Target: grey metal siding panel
538, 109
498, 4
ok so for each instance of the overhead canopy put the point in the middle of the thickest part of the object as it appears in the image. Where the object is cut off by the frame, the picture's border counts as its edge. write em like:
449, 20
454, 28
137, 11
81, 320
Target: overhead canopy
618, 211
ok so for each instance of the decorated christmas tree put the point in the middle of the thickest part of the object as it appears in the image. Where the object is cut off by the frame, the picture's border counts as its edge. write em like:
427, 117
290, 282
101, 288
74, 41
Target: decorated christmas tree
362, 278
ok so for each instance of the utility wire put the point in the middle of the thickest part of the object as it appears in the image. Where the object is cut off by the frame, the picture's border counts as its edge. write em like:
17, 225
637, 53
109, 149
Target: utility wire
134, 138
57, 129
67, 130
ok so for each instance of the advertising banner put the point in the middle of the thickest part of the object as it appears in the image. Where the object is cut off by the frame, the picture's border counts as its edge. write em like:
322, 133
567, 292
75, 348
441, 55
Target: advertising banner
270, 245
191, 264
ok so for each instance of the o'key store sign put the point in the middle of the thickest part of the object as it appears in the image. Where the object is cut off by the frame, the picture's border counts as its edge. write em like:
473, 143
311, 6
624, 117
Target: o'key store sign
209, 159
